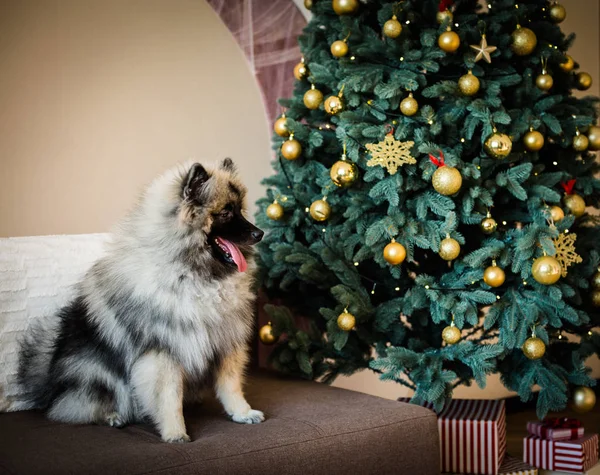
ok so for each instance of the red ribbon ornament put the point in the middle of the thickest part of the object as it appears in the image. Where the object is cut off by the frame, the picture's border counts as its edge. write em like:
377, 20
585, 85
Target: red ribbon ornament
561, 423
445, 5
568, 186
438, 162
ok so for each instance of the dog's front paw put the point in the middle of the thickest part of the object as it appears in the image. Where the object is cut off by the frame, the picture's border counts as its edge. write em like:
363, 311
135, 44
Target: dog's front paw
114, 419
251, 417
176, 438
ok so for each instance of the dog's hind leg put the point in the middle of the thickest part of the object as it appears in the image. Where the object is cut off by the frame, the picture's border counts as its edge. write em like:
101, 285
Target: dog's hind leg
228, 386
157, 383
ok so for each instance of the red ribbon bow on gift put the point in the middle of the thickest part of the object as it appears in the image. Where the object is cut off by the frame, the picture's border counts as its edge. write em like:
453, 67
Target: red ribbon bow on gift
438, 162
561, 423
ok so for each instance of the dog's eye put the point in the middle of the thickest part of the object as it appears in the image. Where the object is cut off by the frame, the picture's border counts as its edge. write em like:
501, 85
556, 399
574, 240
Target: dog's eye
225, 213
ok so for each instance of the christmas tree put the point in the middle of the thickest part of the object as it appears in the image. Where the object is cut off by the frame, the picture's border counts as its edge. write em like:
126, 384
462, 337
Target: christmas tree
427, 215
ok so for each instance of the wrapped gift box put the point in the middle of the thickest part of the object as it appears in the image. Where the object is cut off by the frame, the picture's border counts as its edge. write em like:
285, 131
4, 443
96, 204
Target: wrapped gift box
574, 456
595, 470
514, 466
472, 436
557, 429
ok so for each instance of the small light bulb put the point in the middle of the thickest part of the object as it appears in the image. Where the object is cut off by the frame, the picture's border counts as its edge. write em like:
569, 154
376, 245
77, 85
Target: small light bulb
401, 58
356, 264
430, 121
472, 282
462, 140
427, 287
372, 292
397, 289
497, 297
327, 126
408, 22
504, 222
566, 231
560, 336
535, 174
352, 58
307, 209
489, 5
456, 25
524, 282
590, 333
324, 230
554, 163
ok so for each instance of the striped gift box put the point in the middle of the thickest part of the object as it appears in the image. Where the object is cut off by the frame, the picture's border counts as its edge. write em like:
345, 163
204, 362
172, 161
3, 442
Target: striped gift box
575, 456
472, 436
554, 433
514, 466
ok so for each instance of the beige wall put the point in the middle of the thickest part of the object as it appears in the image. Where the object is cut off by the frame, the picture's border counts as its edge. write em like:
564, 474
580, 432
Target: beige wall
99, 96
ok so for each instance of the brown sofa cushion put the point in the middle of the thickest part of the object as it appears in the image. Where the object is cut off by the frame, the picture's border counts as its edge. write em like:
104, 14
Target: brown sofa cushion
310, 429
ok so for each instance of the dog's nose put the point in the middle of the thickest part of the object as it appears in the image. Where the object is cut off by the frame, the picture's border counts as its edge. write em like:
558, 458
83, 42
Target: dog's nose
257, 235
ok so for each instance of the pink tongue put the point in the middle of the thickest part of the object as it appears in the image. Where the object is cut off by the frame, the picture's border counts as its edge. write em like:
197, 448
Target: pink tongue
236, 254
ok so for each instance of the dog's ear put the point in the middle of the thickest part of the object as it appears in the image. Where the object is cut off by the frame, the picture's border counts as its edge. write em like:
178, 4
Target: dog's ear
196, 178
228, 165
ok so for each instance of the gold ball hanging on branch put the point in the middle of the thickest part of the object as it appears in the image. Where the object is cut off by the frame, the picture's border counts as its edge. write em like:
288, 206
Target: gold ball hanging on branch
394, 253
339, 48
274, 211
280, 127
449, 249
533, 140
345, 7
346, 321
469, 84
595, 297
568, 64
291, 148
558, 13
584, 399
300, 70
409, 105
449, 41
308, 4
392, 28
451, 334
343, 173
596, 280
334, 105
580, 142
266, 334
546, 270
494, 276
498, 145
544, 81
313, 98
575, 204
583, 81
446, 180
593, 135
524, 41
444, 15
534, 348
556, 213
488, 225
320, 210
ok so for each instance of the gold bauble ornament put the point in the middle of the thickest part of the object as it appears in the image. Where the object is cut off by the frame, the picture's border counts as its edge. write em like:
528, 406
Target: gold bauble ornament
524, 41
394, 253
544, 81
280, 127
498, 145
595, 297
469, 84
308, 4
451, 334
568, 64
333, 105
533, 140
494, 276
558, 13
580, 142
546, 270
409, 105
596, 280
584, 81
488, 225
575, 204
449, 41
593, 135
584, 399
339, 48
446, 180
275, 211
320, 210
534, 348
266, 334
556, 213
449, 249
300, 70
392, 28
345, 7
313, 98
346, 321
291, 148
343, 173
442, 16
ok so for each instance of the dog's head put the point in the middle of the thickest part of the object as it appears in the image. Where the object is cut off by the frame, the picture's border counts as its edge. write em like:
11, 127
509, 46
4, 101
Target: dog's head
212, 204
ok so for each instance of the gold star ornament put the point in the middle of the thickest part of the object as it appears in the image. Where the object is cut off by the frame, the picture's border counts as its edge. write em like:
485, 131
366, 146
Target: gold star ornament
483, 50
565, 251
390, 154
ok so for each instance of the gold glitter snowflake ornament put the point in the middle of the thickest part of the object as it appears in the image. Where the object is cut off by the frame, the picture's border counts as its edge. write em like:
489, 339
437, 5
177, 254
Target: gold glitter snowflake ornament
390, 154
565, 251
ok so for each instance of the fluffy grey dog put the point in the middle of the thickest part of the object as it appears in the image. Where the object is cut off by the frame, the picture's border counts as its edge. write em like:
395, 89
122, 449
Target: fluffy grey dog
166, 312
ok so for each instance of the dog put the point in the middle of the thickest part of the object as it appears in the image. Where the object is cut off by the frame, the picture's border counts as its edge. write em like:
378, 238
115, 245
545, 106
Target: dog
166, 312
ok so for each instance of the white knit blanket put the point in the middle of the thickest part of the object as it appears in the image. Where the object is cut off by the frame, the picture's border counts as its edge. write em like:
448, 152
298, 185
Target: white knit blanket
37, 276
